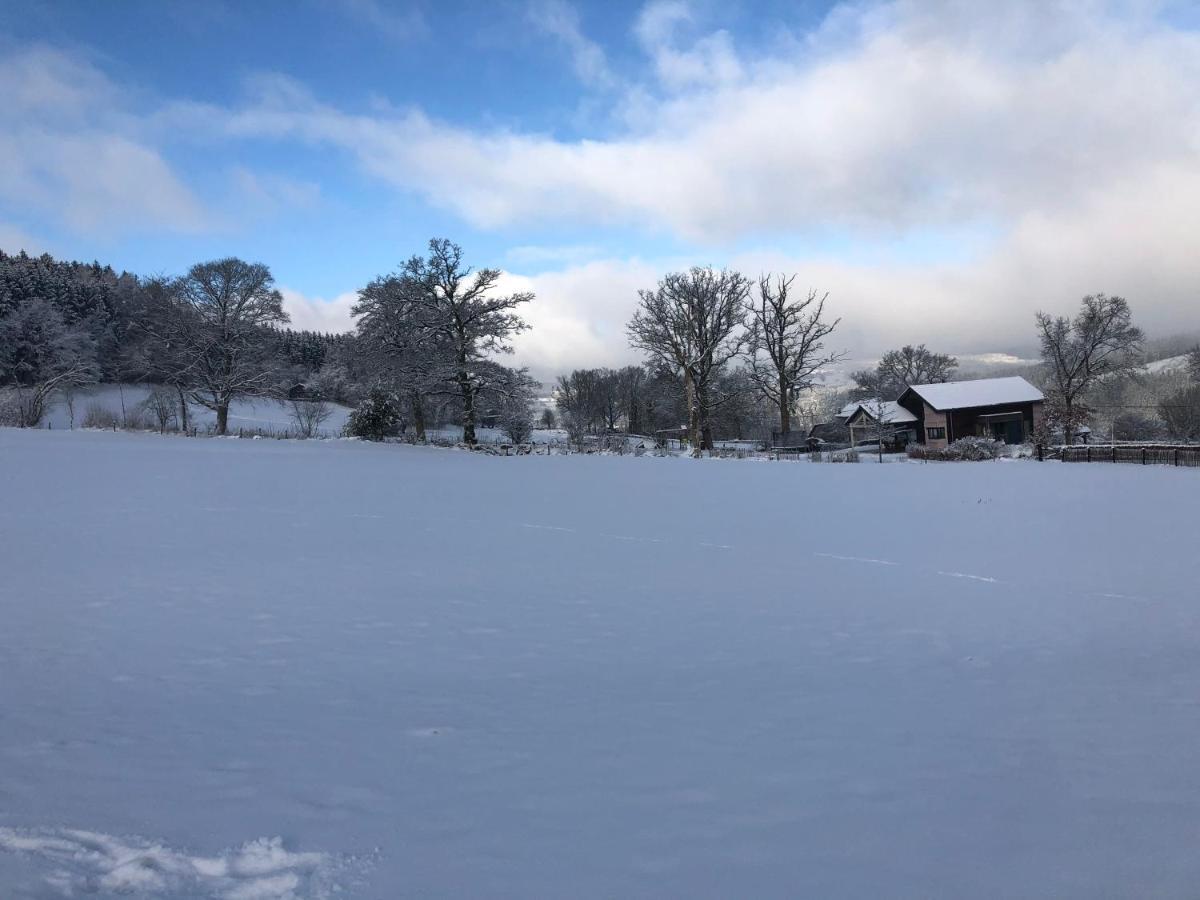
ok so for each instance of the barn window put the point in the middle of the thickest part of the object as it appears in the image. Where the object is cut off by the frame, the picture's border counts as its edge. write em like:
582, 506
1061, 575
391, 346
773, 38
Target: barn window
936, 434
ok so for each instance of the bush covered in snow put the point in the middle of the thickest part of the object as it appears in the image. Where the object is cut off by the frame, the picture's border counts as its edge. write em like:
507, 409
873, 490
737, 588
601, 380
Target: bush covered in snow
375, 418
99, 416
968, 449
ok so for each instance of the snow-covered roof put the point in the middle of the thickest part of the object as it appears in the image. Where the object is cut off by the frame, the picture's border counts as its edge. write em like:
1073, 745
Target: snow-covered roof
848, 410
892, 412
981, 392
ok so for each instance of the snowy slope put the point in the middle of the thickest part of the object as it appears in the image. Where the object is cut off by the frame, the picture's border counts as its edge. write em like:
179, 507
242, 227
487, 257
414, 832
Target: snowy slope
252, 414
1170, 364
307, 669
266, 415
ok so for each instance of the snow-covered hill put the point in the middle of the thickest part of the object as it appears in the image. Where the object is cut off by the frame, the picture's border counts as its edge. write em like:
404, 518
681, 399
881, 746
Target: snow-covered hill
1170, 364
283, 669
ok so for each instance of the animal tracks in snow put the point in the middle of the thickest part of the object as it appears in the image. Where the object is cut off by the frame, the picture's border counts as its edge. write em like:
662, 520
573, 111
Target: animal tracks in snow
985, 578
861, 559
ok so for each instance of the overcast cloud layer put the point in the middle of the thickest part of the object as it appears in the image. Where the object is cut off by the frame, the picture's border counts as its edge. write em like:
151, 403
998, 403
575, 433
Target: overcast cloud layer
1036, 151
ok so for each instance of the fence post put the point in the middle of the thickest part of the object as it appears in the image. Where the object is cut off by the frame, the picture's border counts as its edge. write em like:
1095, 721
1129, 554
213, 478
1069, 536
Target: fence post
1143, 456
1041, 453
1089, 453
1176, 456
1114, 452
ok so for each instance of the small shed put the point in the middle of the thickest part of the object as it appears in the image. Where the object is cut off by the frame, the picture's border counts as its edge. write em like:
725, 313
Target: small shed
866, 416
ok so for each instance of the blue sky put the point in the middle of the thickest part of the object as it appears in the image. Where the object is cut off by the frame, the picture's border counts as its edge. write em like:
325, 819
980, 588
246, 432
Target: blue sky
943, 168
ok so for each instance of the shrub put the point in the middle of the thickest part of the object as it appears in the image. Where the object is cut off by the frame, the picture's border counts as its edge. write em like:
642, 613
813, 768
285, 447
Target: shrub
9, 412
516, 421
968, 449
99, 416
376, 418
161, 405
310, 415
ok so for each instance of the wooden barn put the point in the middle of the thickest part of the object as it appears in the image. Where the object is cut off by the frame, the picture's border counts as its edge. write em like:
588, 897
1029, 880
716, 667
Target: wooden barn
900, 425
1007, 409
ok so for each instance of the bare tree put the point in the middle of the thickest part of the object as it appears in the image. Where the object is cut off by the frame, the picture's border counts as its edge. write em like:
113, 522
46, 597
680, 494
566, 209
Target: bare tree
786, 347
547, 419
577, 397
450, 314
516, 417
880, 428
630, 383
1180, 412
309, 414
160, 404
1194, 363
897, 369
693, 323
1100, 342
228, 308
159, 341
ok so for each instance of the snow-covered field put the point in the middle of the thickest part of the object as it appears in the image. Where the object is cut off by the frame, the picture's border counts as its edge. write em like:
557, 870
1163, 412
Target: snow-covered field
262, 669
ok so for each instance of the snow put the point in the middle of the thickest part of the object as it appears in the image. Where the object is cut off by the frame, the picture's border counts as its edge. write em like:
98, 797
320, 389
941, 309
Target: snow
980, 392
265, 415
248, 413
269, 669
1170, 364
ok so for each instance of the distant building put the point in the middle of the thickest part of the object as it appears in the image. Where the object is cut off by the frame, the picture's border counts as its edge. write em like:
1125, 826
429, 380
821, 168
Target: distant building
863, 417
1006, 409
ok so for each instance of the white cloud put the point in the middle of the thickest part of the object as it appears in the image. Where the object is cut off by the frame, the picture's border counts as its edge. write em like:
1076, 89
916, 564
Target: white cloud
560, 20
1124, 240
578, 314
709, 62
922, 117
13, 240
400, 24
68, 151
317, 314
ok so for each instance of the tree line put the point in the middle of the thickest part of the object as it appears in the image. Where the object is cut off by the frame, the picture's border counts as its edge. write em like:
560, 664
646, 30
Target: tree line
426, 342
724, 354
720, 350
721, 347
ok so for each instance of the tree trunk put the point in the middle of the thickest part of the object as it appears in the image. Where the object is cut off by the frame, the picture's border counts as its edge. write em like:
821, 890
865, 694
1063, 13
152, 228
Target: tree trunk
183, 409
222, 417
468, 398
785, 413
418, 414
702, 413
689, 387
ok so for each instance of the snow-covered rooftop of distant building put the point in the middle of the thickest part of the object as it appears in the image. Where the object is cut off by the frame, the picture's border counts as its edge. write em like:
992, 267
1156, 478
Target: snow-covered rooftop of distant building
981, 392
892, 412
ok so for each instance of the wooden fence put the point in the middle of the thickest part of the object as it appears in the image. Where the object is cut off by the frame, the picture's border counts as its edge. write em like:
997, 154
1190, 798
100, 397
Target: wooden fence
1143, 454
